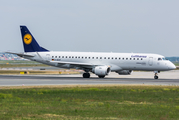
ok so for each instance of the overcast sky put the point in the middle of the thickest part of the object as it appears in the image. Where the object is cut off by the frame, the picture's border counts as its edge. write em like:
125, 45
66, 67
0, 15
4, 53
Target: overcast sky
141, 26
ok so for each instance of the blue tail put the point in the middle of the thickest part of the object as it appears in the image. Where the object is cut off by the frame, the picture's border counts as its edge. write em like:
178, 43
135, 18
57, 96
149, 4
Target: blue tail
29, 42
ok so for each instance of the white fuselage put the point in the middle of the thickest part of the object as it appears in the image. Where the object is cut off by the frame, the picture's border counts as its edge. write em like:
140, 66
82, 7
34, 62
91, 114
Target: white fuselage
116, 61
98, 63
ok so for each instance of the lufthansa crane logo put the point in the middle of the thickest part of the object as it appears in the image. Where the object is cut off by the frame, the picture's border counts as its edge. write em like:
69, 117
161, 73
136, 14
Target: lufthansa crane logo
27, 39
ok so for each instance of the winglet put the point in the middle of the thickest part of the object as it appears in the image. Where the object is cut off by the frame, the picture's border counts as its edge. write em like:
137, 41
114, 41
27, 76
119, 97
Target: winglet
29, 42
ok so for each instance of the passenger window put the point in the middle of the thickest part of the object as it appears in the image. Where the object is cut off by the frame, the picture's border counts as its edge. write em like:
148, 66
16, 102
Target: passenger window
119, 58
104, 57
62, 56
123, 58
55, 56
59, 56
133, 58
52, 56
137, 58
108, 57
89, 57
130, 58
78, 57
100, 57
126, 58
115, 58
66, 57
85, 57
69, 56
92, 57
82, 57
141, 59
112, 58
96, 57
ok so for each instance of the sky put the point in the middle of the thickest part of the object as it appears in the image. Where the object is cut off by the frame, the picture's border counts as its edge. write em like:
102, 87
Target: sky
127, 26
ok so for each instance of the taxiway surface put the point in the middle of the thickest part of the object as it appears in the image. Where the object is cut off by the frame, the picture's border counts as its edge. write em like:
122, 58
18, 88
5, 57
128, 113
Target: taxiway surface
165, 78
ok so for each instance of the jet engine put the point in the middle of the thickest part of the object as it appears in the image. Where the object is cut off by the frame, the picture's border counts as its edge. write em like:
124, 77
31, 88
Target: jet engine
101, 70
124, 72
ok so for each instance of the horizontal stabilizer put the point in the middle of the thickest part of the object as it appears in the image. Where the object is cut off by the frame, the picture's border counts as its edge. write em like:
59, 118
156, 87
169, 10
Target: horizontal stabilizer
21, 54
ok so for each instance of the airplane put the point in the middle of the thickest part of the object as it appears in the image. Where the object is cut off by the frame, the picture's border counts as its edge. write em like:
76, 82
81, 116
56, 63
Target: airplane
99, 63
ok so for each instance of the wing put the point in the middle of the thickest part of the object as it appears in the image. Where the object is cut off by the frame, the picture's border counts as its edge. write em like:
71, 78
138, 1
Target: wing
75, 64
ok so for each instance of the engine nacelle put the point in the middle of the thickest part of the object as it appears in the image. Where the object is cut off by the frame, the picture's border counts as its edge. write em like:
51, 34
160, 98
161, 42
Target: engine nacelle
101, 70
124, 72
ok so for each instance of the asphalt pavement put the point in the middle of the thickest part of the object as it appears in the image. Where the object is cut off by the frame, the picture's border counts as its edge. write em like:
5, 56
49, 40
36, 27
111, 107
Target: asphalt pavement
165, 78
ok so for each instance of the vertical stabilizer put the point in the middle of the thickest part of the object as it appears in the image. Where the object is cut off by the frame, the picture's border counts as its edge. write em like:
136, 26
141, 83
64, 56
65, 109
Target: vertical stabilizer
29, 42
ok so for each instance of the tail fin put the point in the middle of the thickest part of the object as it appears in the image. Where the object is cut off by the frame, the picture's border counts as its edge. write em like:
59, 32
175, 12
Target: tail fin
29, 42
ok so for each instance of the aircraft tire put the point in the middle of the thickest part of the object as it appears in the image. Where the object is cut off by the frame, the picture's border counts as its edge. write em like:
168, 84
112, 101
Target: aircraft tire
101, 76
155, 77
86, 75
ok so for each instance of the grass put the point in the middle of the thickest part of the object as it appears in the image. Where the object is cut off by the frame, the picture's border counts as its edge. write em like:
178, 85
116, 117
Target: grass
90, 102
20, 63
176, 63
17, 62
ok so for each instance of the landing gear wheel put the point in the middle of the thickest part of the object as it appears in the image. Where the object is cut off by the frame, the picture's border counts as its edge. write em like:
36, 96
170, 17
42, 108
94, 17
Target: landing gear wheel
86, 75
101, 76
155, 77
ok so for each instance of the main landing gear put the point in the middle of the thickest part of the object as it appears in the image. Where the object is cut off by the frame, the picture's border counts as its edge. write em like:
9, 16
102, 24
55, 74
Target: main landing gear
156, 74
86, 75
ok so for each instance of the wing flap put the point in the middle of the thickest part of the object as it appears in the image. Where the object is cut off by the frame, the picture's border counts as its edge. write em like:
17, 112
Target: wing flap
75, 64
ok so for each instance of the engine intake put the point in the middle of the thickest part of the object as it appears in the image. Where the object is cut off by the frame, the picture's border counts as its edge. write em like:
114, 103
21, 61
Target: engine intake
101, 70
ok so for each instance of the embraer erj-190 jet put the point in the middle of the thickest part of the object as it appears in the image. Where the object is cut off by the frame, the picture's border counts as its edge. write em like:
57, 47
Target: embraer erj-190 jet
98, 63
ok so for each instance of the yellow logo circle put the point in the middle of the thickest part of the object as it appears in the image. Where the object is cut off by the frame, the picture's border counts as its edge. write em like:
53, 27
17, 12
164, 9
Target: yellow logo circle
27, 39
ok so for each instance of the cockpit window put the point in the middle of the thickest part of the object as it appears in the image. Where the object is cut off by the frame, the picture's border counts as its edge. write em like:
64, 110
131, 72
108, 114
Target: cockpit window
159, 59
164, 58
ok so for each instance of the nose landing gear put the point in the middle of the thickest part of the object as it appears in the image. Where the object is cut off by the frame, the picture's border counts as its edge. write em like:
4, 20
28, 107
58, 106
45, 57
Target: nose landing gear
156, 74
155, 77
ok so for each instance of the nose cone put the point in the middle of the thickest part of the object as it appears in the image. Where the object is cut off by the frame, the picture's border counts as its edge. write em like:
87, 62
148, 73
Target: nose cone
171, 66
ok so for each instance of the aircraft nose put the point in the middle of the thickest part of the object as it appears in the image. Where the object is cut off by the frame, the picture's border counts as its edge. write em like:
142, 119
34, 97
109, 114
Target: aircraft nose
171, 66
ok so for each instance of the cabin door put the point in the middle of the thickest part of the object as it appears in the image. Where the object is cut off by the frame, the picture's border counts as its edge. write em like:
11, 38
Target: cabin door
48, 57
150, 61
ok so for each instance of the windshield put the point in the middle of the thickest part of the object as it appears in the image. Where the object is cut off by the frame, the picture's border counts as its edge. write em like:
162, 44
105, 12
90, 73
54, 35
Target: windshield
159, 59
164, 58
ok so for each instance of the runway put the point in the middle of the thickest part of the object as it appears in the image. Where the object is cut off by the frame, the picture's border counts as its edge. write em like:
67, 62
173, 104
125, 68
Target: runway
165, 78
